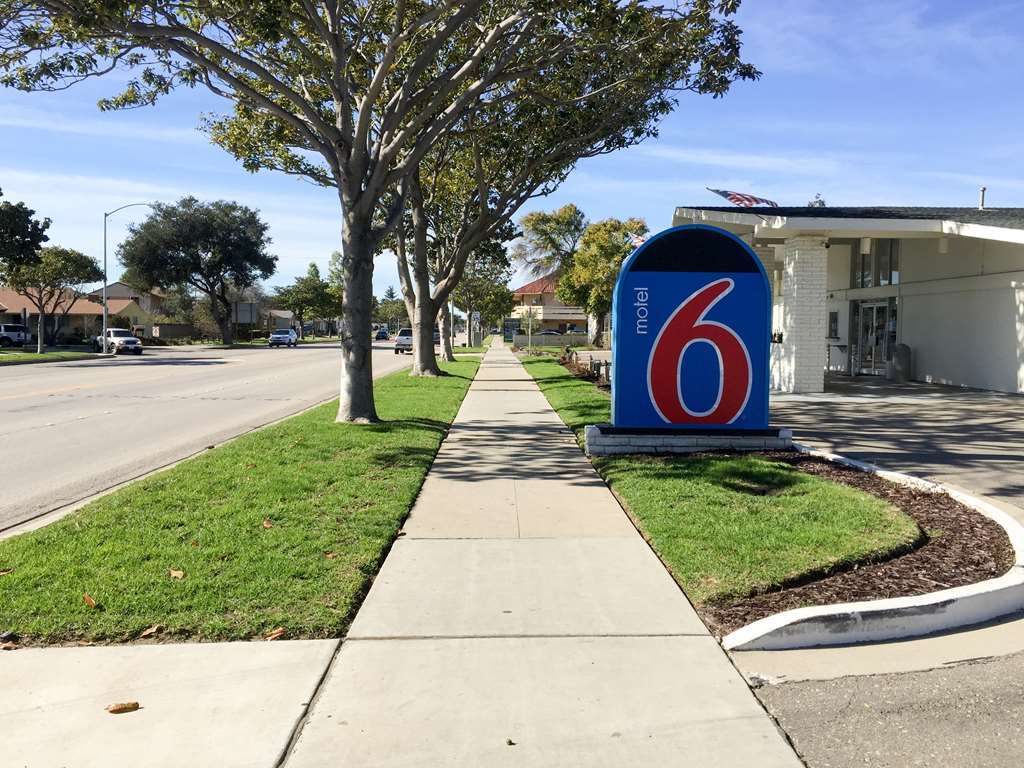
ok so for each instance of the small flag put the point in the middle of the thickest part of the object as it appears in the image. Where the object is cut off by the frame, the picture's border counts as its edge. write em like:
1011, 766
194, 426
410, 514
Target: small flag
741, 199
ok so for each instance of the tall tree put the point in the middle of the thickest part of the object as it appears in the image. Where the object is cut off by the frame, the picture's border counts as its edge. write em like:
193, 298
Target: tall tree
352, 94
53, 283
309, 297
549, 240
590, 281
213, 247
21, 236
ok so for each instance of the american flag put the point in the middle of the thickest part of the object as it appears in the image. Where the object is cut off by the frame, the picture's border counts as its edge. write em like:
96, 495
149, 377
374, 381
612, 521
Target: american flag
739, 198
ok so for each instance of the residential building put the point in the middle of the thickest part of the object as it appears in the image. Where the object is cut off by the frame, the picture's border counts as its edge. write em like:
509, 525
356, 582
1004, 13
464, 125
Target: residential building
151, 302
537, 298
850, 284
83, 319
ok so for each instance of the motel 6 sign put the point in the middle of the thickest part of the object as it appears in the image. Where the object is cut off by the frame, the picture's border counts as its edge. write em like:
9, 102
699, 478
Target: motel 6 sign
691, 327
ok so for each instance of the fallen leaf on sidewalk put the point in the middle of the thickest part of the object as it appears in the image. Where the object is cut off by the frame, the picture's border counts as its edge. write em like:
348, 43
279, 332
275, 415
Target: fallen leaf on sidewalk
6, 572
267, 523
510, 742
121, 707
330, 555
179, 575
88, 600
274, 634
9, 647
150, 631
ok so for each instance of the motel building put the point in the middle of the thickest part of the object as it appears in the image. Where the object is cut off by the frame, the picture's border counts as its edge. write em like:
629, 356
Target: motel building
850, 284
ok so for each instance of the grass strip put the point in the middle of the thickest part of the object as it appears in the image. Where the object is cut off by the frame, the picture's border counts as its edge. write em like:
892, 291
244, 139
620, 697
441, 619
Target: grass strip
27, 358
283, 527
726, 525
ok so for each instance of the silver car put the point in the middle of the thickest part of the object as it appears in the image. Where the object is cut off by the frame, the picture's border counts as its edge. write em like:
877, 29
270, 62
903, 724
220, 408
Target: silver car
403, 341
283, 336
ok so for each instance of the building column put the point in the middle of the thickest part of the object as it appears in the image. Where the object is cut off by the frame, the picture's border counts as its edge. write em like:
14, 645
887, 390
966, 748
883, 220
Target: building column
799, 365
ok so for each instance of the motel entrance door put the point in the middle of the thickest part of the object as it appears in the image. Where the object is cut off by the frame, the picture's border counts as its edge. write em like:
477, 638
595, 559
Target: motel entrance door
876, 336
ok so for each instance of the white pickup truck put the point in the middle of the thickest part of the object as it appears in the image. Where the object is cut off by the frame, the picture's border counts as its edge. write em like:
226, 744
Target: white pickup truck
119, 340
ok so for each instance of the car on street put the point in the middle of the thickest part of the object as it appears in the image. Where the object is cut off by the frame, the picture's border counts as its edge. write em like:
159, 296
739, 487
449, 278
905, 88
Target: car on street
119, 340
403, 341
283, 337
382, 335
12, 335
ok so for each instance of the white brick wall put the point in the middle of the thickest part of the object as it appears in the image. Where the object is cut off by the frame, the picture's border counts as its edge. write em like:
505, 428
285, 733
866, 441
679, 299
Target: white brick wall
603, 444
799, 366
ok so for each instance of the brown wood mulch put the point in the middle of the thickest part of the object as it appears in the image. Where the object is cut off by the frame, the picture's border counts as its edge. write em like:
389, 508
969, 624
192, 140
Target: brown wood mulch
958, 546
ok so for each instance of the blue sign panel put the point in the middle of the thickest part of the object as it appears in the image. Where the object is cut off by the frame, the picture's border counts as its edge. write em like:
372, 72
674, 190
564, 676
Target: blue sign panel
691, 328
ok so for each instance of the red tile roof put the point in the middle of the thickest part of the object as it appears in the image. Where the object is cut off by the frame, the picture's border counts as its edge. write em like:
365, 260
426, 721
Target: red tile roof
546, 284
14, 303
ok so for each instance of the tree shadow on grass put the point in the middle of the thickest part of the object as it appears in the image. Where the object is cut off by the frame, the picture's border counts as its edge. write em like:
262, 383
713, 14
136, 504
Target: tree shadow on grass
738, 474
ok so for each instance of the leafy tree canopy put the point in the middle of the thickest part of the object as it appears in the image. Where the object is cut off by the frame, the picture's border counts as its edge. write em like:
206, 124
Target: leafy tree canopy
21, 235
54, 282
213, 247
550, 240
590, 281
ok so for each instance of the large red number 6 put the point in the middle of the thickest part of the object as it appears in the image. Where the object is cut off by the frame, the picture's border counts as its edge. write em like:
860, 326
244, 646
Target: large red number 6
686, 326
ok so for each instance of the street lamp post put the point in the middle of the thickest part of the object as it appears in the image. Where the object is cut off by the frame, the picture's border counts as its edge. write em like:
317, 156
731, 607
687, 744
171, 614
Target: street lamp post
108, 214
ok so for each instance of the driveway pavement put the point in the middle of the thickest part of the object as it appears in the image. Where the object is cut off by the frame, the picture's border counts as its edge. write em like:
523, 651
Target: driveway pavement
967, 437
73, 429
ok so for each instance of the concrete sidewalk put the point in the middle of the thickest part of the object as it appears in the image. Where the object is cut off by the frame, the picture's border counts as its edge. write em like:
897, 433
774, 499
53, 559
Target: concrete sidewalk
521, 620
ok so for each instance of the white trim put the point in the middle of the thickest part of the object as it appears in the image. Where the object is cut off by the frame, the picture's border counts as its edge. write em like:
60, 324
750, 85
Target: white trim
899, 617
766, 226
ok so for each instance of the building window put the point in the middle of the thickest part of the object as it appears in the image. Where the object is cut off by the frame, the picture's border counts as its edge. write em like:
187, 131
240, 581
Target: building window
864, 271
833, 325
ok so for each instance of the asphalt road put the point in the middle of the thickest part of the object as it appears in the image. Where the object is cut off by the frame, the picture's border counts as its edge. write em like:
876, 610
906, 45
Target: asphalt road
966, 716
70, 430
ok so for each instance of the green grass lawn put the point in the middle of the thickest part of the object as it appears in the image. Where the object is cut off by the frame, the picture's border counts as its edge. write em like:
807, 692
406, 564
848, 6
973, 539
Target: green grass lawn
284, 527
22, 358
726, 525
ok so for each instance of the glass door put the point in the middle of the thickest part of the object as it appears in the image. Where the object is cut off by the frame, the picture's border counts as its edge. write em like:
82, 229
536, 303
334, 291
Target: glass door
873, 336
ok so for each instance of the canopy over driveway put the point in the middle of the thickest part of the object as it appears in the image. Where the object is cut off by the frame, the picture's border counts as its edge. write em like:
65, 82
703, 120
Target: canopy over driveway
970, 438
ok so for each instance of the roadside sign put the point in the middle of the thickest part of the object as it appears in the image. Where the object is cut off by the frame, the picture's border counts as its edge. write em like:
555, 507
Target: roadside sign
691, 320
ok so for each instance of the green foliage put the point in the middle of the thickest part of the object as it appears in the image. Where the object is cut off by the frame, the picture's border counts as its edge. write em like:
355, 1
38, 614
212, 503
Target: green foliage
550, 240
215, 248
730, 526
590, 280
309, 297
335, 496
484, 285
21, 236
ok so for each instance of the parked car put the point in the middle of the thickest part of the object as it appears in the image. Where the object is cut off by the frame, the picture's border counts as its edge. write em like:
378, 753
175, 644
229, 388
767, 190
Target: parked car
13, 335
285, 336
548, 332
382, 335
119, 340
403, 341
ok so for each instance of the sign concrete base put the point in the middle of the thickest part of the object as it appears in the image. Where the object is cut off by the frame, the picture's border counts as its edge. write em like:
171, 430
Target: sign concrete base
606, 440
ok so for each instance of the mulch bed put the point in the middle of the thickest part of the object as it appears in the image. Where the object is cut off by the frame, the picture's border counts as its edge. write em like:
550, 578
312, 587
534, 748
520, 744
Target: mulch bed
959, 546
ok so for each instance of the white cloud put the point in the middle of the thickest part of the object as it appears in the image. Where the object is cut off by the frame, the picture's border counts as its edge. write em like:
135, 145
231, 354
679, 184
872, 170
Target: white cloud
112, 126
810, 164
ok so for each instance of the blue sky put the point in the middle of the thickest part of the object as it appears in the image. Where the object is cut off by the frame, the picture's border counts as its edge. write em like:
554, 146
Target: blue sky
870, 103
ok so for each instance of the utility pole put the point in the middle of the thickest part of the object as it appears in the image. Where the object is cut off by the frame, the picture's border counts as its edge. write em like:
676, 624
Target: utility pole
107, 215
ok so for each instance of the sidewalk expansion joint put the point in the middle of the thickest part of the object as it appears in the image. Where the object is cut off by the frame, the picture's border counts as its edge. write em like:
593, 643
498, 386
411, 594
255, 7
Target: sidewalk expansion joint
529, 636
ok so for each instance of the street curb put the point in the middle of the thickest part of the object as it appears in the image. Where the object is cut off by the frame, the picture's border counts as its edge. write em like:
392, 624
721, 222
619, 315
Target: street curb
900, 617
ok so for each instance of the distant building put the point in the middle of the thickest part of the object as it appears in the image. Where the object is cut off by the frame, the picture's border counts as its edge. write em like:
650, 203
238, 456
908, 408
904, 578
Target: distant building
538, 298
151, 301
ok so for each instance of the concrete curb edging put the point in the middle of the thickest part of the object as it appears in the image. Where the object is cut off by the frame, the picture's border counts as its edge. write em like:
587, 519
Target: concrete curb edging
899, 617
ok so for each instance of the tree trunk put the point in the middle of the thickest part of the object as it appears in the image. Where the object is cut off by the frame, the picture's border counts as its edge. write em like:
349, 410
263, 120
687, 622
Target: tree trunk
424, 318
446, 333
599, 330
355, 402
40, 331
424, 361
224, 323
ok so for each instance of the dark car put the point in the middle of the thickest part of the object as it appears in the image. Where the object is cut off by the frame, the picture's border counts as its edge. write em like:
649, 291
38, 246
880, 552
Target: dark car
382, 335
